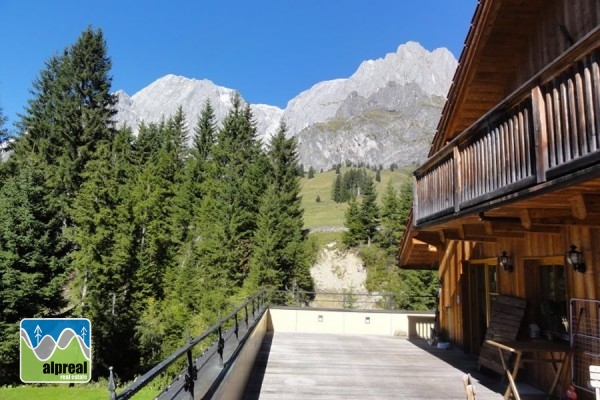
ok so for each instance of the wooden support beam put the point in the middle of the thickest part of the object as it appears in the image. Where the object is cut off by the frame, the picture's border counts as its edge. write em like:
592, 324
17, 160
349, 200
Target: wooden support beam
450, 234
590, 220
526, 219
476, 233
432, 238
506, 228
584, 205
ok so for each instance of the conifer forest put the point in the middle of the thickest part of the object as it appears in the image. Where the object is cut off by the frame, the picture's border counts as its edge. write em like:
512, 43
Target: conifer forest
152, 236
146, 236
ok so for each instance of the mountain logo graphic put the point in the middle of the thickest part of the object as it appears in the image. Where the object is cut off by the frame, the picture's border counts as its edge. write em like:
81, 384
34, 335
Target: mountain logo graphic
56, 350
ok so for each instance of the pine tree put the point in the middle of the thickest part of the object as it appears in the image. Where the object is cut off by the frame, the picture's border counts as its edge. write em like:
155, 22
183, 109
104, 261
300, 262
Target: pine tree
283, 156
406, 200
4, 135
267, 269
32, 258
71, 112
204, 137
67, 120
354, 233
104, 234
235, 181
392, 222
311, 172
378, 175
369, 211
336, 192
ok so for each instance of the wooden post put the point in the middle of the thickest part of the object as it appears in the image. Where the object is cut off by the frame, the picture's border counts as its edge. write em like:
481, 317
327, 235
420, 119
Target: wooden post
540, 133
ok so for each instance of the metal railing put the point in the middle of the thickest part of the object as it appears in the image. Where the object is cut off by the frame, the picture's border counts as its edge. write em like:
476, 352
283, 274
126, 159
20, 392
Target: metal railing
239, 322
349, 299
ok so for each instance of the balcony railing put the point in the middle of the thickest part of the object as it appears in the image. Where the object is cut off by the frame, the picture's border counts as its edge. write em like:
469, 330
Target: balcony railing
546, 129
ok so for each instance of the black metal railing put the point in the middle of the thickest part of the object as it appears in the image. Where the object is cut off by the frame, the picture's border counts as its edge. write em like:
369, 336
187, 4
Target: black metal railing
351, 299
238, 323
224, 339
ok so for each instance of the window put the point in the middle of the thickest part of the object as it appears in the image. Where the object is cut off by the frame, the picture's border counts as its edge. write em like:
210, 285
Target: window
547, 297
553, 301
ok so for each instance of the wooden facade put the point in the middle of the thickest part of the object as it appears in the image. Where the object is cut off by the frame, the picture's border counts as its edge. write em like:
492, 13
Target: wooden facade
515, 167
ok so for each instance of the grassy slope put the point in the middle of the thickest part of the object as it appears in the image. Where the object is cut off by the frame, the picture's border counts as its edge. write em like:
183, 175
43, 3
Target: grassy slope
64, 392
327, 213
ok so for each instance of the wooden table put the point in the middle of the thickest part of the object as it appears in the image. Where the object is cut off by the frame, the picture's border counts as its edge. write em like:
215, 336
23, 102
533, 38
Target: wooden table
538, 350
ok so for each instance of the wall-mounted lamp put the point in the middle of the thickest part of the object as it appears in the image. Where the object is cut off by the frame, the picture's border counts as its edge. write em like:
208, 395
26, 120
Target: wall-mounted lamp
575, 258
505, 261
367, 320
320, 318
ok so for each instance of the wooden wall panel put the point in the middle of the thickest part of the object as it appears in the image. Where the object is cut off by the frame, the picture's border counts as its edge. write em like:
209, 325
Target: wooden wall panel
559, 22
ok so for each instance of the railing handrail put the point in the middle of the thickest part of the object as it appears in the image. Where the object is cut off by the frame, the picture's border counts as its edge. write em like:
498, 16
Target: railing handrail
262, 297
583, 46
142, 381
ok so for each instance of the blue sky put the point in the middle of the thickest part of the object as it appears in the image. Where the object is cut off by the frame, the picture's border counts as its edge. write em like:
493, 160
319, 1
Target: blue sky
268, 50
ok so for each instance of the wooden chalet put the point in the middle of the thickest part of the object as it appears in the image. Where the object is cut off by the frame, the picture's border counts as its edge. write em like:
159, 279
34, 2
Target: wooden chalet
514, 170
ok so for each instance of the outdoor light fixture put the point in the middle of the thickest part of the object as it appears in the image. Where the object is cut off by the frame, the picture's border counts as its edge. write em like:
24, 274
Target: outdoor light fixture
505, 261
320, 318
575, 258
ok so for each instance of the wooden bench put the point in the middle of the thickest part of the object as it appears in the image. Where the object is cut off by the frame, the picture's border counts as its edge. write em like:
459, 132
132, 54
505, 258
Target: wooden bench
506, 315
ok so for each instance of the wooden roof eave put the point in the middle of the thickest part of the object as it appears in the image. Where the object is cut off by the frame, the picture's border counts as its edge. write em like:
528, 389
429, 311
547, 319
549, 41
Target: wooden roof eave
464, 71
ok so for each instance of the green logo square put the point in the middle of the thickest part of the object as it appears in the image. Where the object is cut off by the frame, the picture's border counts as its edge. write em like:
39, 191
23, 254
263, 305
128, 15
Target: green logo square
56, 350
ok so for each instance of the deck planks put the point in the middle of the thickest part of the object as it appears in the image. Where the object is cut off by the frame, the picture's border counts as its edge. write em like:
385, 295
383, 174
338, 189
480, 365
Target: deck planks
322, 366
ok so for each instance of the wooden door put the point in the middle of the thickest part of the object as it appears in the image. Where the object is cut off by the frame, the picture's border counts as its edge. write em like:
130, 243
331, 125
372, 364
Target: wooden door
479, 286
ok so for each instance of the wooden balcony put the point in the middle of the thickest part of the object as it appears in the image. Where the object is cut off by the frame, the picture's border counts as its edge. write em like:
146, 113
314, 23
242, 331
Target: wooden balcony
545, 133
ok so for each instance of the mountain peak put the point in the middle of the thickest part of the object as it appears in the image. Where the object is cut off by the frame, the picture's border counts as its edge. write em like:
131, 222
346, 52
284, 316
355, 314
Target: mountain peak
412, 78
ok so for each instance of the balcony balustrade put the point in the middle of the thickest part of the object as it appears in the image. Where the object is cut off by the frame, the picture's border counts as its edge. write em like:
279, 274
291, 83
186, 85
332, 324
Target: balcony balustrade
549, 128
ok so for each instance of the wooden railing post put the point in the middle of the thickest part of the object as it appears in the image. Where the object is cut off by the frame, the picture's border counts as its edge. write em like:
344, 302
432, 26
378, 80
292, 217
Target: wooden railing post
457, 179
540, 133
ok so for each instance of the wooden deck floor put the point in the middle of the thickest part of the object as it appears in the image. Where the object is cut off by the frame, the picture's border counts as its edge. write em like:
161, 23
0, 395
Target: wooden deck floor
320, 366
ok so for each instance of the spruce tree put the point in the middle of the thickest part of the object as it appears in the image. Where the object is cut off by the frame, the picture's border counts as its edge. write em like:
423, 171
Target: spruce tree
67, 120
280, 235
32, 258
392, 222
235, 180
336, 191
3, 132
104, 256
406, 200
369, 211
205, 132
72, 111
353, 234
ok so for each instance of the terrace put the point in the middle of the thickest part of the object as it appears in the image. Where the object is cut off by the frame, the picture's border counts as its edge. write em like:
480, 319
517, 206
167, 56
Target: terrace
273, 352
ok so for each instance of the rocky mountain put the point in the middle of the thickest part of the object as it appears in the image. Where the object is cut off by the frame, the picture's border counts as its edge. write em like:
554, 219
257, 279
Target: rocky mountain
386, 112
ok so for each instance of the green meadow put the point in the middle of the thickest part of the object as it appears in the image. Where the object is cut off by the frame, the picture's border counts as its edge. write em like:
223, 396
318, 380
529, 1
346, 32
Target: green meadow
64, 392
328, 213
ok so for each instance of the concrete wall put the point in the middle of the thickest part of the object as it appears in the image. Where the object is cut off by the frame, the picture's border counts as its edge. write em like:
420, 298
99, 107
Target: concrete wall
367, 322
303, 320
235, 381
